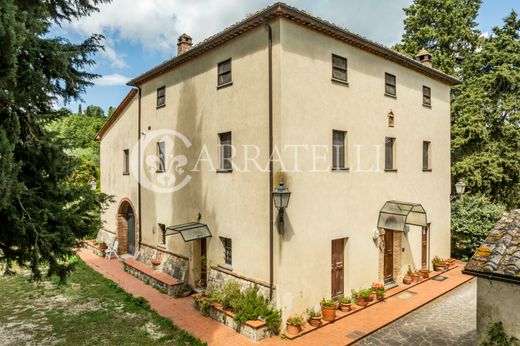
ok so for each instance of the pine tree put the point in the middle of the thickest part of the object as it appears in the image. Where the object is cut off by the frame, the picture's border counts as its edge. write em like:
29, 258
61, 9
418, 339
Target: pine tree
446, 28
43, 212
486, 118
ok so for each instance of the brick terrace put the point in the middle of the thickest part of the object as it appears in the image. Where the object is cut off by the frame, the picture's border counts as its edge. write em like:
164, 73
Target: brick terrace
366, 321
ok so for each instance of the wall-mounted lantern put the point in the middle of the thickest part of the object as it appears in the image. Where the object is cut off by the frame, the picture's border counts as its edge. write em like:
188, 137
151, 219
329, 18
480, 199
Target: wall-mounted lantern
391, 119
281, 197
460, 187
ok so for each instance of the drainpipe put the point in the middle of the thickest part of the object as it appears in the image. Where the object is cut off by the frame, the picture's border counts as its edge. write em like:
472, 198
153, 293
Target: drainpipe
271, 216
139, 223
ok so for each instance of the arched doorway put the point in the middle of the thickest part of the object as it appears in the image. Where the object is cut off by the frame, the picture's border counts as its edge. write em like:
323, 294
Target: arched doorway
126, 228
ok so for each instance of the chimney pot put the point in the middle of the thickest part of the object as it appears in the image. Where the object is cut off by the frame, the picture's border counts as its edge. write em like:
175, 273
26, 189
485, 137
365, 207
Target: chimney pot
424, 57
184, 43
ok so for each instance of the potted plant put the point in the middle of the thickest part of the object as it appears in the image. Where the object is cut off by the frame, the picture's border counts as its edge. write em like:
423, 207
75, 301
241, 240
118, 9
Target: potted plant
314, 317
449, 263
294, 324
184, 290
345, 304
379, 290
415, 277
407, 279
328, 310
102, 245
425, 273
438, 264
362, 297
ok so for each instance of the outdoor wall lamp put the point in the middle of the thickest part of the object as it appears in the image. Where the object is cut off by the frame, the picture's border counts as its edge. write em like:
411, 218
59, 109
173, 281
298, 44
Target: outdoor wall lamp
460, 187
281, 197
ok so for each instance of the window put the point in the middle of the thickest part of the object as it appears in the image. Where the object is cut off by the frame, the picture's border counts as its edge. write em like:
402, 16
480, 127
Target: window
161, 167
389, 154
426, 156
339, 68
338, 149
390, 88
426, 96
126, 162
161, 234
228, 250
224, 73
226, 151
161, 97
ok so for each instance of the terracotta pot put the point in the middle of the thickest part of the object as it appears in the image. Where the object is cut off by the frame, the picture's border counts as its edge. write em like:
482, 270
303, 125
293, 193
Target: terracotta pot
361, 301
425, 273
103, 246
185, 294
328, 313
407, 280
345, 307
371, 298
380, 296
156, 262
292, 330
439, 268
315, 321
415, 277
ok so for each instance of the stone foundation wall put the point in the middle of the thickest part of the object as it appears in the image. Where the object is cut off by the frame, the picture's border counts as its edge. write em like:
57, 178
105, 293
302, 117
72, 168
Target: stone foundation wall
255, 334
175, 266
217, 276
168, 289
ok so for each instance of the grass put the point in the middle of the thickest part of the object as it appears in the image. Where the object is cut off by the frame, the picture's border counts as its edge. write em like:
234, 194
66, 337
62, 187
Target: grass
88, 310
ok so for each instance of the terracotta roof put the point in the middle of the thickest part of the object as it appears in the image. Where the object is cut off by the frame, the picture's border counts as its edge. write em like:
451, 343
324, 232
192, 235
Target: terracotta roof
304, 19
499, 256
117, 113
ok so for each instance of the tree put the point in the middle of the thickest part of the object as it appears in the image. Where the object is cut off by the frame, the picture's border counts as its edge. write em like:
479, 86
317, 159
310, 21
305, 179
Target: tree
472, 218
486, 118
43, 212
94, 112
111, 110
446, 28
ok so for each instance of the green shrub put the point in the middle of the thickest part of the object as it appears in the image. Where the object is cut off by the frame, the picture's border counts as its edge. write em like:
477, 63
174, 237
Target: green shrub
472, 218
228, 294
250, 305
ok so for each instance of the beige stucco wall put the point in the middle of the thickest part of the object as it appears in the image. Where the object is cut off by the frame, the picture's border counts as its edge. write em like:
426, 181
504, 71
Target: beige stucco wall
307, 107
328, 205
122, 135
497, 301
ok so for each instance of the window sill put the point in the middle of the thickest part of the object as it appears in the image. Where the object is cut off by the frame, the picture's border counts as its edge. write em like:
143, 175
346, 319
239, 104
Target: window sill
342, 169
391, 170
160, 106
340, 81
160, 171
126, 173
391, 95
224, 170
427, 170
427, 106
224, 85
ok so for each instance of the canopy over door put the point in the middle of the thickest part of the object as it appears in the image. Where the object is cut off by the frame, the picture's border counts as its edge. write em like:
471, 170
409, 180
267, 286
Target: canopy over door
395, 215
189, 231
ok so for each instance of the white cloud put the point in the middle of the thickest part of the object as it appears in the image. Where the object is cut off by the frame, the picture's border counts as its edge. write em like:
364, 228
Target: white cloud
112, 80
116, 59
156, 24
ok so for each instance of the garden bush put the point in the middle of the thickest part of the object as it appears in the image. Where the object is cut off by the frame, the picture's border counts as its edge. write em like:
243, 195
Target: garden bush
472, 218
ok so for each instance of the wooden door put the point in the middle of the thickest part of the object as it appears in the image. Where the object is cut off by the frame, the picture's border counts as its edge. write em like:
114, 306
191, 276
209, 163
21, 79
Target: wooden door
424, 248
203, 263
337, 267
130, 220
389, 257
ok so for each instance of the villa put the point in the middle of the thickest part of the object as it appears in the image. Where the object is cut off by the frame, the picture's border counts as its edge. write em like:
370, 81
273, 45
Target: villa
356, 132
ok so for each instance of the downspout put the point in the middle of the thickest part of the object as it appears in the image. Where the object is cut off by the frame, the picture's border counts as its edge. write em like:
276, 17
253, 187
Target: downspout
140, 167
271, 216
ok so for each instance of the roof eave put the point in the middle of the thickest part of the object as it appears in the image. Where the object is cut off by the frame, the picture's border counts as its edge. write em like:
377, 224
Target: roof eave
493, 276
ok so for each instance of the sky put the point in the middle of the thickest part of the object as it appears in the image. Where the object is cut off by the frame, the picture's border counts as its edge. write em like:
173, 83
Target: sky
141, 34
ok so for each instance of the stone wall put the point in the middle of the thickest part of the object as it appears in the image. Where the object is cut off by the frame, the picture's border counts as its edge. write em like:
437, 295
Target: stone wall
255, 333
497, 301
217, 276
175, 266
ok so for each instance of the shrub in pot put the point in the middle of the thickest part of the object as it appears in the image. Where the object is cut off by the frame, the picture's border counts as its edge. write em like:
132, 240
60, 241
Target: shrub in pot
407, 280
438, 264
294, 324
425, 273
328, 310
102, 245
314, 317
362, 297
379, 290
345, 304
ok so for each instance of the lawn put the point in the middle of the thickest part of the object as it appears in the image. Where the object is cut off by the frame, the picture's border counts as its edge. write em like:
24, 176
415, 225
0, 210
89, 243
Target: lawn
88, 310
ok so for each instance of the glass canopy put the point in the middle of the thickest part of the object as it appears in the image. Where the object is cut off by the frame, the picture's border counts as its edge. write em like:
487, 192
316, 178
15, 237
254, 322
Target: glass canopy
190, 231
394, 215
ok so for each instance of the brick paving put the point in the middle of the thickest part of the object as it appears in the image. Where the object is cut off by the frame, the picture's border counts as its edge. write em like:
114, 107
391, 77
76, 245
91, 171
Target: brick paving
342, 332
449, 320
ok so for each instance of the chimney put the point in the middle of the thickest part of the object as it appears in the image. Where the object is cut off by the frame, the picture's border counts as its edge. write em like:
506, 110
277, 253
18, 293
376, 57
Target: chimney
424, 57
183, 44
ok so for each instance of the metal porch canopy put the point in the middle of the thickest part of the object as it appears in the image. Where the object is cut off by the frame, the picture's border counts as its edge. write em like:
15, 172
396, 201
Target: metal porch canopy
189, 231
395, 215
